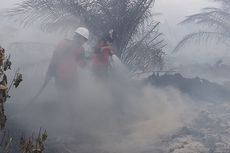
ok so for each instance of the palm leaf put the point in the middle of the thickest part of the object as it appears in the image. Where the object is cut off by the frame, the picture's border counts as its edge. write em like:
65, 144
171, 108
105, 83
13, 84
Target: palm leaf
217, 19
198, 37
99, 16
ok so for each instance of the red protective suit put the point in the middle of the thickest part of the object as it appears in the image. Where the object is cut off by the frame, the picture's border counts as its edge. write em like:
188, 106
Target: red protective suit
100, 60
67, 58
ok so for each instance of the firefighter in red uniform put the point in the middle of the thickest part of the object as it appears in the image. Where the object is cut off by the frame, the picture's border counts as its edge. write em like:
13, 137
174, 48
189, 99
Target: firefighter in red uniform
101, 56
68, 57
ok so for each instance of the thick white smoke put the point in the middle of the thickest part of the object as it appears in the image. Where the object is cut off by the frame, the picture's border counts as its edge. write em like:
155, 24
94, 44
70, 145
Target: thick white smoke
114, 115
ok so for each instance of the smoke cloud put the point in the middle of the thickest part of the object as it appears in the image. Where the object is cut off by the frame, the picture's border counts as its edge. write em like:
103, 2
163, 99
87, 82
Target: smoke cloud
117, 115
114, 115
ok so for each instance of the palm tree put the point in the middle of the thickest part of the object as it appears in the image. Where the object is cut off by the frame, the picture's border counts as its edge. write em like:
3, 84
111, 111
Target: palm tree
217, 21
126, 17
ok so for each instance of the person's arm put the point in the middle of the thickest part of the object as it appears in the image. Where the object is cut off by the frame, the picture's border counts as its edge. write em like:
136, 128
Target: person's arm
109, 49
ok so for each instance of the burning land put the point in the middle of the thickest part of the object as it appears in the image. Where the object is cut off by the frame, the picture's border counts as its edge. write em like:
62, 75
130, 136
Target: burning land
111, 76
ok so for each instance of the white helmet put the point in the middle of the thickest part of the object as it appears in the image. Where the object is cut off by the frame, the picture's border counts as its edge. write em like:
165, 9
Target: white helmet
83, 32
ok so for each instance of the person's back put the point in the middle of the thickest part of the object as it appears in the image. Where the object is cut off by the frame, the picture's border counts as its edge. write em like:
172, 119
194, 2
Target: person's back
67, 59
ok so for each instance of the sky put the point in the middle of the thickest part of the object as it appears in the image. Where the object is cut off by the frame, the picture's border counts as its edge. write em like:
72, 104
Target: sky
173, 10
7, 3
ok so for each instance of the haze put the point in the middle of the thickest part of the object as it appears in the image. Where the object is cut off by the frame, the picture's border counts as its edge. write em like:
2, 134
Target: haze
173, 10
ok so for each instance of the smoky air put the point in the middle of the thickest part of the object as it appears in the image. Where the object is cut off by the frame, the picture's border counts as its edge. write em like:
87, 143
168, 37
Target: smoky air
114, 76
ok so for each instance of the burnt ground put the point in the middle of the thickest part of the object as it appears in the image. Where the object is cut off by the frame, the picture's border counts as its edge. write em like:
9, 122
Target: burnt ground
208, 132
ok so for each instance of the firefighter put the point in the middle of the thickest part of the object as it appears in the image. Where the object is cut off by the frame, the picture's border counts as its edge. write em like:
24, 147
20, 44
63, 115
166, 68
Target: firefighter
101, 56
68, 57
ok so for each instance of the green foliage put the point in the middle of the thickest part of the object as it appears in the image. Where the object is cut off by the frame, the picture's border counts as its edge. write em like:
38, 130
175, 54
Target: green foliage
217, 21
126, 17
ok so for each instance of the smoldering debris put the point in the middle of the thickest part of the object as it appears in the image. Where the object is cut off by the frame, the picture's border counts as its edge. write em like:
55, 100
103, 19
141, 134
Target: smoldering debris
208, 132
196, 88
120, 116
